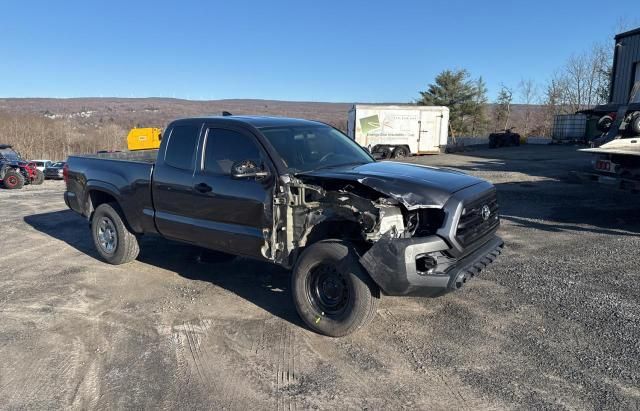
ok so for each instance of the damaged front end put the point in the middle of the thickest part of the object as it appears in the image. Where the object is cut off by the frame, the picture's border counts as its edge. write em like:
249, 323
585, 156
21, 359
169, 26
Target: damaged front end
404, 246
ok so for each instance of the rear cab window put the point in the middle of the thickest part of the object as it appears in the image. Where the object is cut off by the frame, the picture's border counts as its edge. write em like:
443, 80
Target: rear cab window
182, 146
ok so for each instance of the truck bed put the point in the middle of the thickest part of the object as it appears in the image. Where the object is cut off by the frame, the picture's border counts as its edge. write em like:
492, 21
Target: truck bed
140, 156
125, 176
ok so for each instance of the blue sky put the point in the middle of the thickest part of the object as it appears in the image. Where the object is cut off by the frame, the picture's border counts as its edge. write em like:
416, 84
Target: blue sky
343, 51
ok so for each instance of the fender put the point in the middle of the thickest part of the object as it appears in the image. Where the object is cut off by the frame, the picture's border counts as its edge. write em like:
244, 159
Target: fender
132, 221
96, 185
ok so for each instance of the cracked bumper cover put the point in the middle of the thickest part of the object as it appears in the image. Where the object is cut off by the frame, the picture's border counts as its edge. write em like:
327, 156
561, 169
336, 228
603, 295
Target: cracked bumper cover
392, 265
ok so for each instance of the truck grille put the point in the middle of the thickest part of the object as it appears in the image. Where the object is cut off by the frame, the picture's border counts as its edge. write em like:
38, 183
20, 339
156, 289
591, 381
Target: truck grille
474, 222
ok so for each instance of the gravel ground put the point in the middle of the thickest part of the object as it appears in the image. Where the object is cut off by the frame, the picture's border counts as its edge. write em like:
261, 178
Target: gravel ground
554, 323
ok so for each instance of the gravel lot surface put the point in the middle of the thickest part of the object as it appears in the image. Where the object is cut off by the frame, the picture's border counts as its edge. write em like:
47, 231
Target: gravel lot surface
554, 323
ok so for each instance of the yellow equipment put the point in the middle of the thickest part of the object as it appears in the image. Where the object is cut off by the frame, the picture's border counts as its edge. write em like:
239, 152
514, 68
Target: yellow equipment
144, 138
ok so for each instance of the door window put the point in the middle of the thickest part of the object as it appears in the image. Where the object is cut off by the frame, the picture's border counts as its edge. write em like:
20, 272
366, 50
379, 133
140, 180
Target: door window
224, 147
181, 149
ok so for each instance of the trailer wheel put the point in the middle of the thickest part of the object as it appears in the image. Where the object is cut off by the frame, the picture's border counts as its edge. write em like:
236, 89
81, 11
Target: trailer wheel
383, 151
400, 152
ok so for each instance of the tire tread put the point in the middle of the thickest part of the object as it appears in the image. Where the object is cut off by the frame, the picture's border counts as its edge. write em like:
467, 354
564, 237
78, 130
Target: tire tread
128, 241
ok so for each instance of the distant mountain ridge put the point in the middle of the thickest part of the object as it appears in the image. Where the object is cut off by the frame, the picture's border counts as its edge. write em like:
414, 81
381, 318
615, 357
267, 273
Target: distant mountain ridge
158, 111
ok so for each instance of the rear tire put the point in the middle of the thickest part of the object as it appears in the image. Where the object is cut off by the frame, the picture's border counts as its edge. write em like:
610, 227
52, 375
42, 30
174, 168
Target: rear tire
332, 292
13, 180
39, 178
111, 237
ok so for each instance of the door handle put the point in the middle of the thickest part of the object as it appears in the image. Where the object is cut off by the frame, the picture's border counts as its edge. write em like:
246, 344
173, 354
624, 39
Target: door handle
203, 188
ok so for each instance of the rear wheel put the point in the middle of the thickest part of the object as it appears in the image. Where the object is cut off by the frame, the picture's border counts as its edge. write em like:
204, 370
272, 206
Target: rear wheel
332, 293
39, 178
111, 237
13, 180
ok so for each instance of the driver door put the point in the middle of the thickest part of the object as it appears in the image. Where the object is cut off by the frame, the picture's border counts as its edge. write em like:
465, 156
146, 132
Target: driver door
231, 212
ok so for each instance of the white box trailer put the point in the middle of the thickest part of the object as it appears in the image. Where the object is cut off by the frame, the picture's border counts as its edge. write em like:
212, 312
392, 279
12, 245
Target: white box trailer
398, 131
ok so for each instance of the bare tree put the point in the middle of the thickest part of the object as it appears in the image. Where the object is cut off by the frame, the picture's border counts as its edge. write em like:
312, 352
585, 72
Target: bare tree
502, 111
585, 77
528, 92
583, 82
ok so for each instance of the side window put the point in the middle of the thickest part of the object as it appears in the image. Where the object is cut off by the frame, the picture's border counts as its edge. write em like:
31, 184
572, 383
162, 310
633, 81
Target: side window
225, 147
181, 148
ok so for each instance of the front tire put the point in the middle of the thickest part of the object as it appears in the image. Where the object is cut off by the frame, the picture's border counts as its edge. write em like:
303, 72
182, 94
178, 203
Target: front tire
111, 237
400, 152
383, 152
332, 292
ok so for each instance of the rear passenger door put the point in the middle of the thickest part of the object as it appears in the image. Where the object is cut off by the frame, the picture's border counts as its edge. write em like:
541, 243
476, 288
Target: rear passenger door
172, 187
231, 213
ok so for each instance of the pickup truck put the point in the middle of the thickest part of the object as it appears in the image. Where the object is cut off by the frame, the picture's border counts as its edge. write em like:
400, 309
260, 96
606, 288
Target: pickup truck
299, 194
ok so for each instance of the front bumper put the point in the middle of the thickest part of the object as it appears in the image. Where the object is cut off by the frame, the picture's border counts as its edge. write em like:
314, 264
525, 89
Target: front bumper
393, 265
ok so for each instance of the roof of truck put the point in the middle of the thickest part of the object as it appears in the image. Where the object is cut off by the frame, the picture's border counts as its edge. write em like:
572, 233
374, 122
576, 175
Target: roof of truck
259, 121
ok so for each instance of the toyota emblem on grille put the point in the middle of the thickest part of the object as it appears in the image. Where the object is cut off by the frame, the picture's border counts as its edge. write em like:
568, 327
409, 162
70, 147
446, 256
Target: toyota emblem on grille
485, 212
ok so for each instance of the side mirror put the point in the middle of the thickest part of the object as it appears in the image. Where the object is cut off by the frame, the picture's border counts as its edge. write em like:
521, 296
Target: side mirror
247, 169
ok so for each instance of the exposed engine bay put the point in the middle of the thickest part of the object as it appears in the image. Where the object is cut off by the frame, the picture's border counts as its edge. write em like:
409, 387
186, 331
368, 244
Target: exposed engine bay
305, 211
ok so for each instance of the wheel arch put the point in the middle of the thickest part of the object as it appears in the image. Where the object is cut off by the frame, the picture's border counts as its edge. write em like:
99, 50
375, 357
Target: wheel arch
331, 229
98, 193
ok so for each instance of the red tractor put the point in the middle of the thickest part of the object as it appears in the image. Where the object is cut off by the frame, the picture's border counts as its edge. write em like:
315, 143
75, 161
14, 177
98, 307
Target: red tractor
16, 172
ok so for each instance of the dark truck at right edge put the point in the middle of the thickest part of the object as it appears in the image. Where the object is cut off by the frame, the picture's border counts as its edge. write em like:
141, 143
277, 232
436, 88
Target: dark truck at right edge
299, 194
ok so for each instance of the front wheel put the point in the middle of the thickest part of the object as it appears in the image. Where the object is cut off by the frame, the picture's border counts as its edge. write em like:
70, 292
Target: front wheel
332, 292
111, 237
13, 180
383, 152
400, 152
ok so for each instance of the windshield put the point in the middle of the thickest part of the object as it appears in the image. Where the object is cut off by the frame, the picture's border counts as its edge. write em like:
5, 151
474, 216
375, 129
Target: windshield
9, 154
57, 165
306, 148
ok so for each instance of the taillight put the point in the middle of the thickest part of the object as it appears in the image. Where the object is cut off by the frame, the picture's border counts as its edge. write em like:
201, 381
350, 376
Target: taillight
65, 172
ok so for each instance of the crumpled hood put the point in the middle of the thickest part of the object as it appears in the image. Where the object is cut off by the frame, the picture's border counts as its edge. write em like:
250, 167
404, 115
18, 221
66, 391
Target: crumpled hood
414, 186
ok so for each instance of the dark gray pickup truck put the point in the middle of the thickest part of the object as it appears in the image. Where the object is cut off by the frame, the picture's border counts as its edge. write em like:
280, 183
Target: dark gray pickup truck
300, 194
